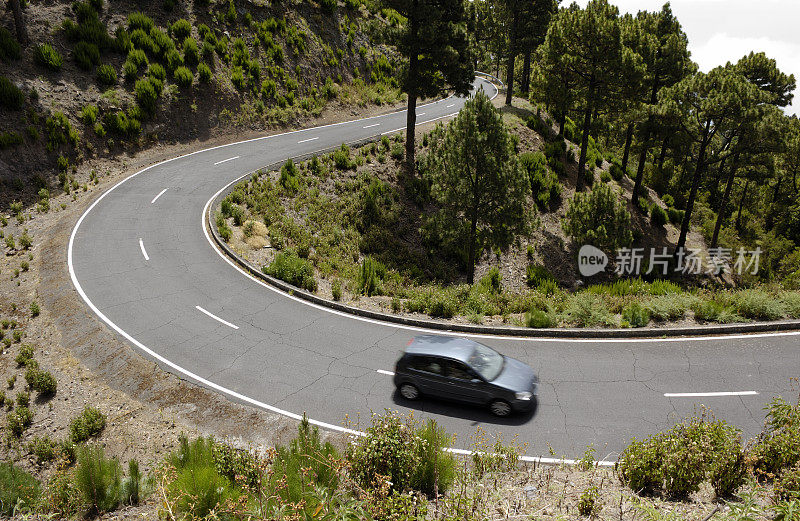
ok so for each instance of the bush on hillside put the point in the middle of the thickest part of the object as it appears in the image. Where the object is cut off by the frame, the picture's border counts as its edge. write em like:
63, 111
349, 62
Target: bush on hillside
46, 56
146, 95
191, 54
636, 315
99, 480
598, 218
777, 449
106, 75
19, 490
89, 423
545, 186
11, 96
86, 55
290, 268
204, 72
181, 29
658, 216
183, 77
9, 47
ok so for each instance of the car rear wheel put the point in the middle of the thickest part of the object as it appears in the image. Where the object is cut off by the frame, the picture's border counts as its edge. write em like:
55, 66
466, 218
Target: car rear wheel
500, 408
409, 391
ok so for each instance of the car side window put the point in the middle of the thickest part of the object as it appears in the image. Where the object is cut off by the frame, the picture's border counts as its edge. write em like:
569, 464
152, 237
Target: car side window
427, 364
458, 371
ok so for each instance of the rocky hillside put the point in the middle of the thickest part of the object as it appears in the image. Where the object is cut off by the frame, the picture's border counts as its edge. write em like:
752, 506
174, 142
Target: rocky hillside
100, 79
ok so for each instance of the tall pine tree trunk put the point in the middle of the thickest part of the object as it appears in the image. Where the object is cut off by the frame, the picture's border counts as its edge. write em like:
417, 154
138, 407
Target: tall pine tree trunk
662, 156
698, 174
19, 22
626, 154
724, 203
637, 184
525, 81
512, 56
411, 114
473, 228
587, 123
741, 205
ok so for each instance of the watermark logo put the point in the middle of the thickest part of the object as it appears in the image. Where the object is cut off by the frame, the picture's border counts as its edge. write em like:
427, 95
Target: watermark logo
659, 261
591, 260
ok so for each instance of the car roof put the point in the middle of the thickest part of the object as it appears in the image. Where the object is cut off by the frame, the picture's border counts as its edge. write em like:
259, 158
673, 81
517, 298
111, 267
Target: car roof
445, 346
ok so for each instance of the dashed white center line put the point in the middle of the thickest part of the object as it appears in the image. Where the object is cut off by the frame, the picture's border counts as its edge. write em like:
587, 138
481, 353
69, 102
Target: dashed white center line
370, 126
144, 252
420, 114
159, 195
381, 371
226, 160
215, 317
450, 105
307, 140
701, 395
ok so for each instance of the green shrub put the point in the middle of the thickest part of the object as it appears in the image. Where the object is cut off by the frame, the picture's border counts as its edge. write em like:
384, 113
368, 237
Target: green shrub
289, 179
86, 55
191, 53
658, 216
589, 504
636, 315
146, 95
183, 77
442, 304
616, 171
23, 399
676, 462
778, 448
9, 48
18, 420
538, 319
328, 5
787, 487
437, 469
44, 383
9, 139
204, 71
758, 305
181, 29
668, 307
19, 490
11, 96
174, 59
336, 290
137, 57
130, 70
545, 186
106, 75
43, 448
599, 218
197, 488
34, 305
46, 56
675, 216
99, 480
89, 114
369, 278
536, 274
25, 355
139, 20
341, 158
156, 70
89, 423
290, 268
587, 310
398, 151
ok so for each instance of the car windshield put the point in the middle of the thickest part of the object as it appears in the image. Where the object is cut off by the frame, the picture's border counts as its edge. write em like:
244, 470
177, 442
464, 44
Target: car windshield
486, 361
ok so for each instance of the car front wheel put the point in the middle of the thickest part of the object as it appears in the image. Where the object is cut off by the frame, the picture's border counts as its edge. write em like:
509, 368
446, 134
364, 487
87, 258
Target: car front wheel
500, 408
409, 391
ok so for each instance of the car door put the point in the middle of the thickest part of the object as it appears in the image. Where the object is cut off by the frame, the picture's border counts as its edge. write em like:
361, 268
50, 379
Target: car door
464, 384
428, 374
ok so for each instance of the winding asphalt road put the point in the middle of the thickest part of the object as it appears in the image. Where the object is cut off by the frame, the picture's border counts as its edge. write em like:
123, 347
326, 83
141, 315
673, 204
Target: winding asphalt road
142, 260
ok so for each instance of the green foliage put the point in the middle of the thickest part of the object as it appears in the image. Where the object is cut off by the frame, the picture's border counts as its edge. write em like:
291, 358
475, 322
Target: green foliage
437, 468
19, 490
341, 158
589, 504
658, 216
778, 447
131, 485
290, 177
146, 95
9, 48
369, 277
25, 355
676, 462
18, 420
536, 274
88, 424
43, 448
106, 75
46, 56
204, 72
328, 5
139, 20
598, 218
539, 319
787, 486
290, 268
545, 185
191, 53
759, 305
587, 310
99, 479
636, 315
181, 29
86, 55
183, 77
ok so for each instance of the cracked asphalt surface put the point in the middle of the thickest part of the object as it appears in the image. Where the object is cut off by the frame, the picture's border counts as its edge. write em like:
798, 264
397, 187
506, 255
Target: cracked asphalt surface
301, 358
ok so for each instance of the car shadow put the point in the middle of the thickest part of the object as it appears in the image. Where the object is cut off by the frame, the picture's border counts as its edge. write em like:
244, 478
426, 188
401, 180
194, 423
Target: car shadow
474, 413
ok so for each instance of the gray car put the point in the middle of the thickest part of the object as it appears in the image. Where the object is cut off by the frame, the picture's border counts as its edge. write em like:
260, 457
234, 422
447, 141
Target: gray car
467, 371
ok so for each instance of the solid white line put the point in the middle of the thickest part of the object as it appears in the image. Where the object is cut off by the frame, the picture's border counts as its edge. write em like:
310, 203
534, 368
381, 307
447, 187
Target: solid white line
159, 195
141, 245
215, 317
307, 140
226, 160
388, 373
370, 126
699, 395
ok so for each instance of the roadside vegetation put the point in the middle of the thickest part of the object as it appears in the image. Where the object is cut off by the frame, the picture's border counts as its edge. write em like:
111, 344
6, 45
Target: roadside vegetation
353, 226
399, 470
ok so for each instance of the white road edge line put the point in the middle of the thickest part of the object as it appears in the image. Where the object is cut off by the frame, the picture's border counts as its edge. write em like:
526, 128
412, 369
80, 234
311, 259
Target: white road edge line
700, 395
189, 374
388, 373
215, 317
370, 126
159, 195
144, 252
226, 160
307, 140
